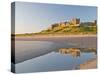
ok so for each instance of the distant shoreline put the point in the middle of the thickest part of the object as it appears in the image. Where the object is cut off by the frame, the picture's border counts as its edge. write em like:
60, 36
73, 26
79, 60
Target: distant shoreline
52, 37
46, 36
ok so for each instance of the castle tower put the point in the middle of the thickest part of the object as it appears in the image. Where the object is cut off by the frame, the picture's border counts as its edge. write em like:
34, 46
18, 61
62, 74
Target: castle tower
75, 22
95, 22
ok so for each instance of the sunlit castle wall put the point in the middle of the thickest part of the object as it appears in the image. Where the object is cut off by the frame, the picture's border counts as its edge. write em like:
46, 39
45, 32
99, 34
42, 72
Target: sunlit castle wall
75, 22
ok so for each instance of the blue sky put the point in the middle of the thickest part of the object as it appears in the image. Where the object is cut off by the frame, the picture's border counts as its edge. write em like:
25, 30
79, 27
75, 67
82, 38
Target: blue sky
34, 17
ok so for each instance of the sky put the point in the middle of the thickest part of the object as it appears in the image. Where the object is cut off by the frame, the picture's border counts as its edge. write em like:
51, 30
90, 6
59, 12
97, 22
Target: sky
34, 17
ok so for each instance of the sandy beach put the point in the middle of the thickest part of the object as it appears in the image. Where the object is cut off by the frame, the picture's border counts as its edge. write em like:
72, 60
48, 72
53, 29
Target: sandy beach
76, 40
53, 36
25, 50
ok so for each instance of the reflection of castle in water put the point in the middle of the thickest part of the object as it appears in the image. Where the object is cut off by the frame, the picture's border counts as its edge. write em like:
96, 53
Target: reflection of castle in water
75, 52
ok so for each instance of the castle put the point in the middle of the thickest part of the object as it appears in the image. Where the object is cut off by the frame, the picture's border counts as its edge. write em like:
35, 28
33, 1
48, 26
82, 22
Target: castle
75, 22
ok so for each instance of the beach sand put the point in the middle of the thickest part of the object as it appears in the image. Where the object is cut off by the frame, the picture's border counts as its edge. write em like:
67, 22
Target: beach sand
76, 41
80, 41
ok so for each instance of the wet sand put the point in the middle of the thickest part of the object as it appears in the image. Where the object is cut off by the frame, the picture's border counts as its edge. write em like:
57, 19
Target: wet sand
26, 52
91, 64
80, 41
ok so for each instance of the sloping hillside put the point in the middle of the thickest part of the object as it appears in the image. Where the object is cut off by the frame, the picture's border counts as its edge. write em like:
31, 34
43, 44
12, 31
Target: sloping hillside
83, 29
